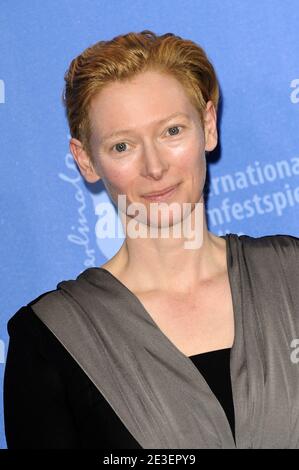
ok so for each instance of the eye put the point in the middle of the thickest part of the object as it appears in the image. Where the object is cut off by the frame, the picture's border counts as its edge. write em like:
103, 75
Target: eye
173, 130
120, 146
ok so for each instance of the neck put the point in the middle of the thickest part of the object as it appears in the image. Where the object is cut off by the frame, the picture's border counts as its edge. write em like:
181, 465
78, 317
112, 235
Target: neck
165, 264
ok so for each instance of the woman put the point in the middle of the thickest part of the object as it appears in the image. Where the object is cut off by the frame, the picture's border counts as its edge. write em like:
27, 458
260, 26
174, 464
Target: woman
166, 345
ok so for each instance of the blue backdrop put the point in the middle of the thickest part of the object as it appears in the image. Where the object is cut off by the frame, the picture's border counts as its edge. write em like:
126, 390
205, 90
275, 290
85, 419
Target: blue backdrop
49, 220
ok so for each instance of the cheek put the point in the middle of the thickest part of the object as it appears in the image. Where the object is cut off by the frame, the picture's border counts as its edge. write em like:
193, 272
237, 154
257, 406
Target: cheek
117, 180
191, 157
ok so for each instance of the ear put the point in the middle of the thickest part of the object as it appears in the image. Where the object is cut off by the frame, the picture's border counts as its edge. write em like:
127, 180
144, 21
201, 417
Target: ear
83, 161
210, 127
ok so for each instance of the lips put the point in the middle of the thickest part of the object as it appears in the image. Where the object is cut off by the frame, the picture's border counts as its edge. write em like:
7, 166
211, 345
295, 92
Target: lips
159, 193
166, 193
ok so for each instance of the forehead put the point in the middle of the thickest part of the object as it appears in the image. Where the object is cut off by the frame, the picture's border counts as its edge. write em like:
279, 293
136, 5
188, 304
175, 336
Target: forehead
148, 97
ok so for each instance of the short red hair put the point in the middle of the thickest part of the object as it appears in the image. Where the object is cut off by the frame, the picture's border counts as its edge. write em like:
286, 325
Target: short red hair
124, 56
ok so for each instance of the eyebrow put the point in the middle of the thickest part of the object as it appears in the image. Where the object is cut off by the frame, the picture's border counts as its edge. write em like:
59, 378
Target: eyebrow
160, 121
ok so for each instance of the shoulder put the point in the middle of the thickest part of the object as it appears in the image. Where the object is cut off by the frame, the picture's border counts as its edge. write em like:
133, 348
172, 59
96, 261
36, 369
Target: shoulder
281, 243
29, 336
24, 320
28, 319
28, 332
277, 253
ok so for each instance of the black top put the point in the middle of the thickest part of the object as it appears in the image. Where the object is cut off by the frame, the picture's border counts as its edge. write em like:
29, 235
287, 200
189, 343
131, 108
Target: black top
49, 401
215, 367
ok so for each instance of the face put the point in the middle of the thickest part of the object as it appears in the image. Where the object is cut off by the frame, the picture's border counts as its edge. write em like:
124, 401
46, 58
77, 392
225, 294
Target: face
147, 136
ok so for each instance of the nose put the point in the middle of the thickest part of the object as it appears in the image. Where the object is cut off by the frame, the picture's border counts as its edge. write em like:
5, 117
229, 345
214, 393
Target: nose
154, 163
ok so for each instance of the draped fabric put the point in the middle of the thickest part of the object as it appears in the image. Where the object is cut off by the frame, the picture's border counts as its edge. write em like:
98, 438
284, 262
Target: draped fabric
155, 389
